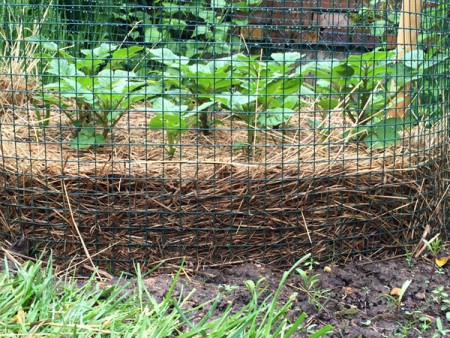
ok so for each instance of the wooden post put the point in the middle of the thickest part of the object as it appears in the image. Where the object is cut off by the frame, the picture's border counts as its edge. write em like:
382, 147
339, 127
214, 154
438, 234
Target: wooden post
408, 32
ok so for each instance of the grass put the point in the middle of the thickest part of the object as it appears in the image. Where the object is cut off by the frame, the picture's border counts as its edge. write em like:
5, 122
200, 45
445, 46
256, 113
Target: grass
35, 302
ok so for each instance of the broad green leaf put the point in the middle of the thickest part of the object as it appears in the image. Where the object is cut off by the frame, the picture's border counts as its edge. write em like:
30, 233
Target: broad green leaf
103, 51
89, 67
50, 46
162, 105
208, 16
125, 53
201, 30
201, 70
291, 86
328, 103
286, 57
151, 90
166, 56
169, 122
219, 3
384, 133
291, 101
275, 117
152, 35
62, 67
323, 85
204, 106
414, 58
304, 90
342, 70
378, 28
87, 138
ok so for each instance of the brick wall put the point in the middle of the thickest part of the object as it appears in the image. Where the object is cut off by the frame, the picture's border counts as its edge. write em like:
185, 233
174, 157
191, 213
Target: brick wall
310, 22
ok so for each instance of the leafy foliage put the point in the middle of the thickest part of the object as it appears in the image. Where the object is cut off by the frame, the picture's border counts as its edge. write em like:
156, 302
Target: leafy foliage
204, 26
381, 17
171, 118
263, 94
101, 89
359, 86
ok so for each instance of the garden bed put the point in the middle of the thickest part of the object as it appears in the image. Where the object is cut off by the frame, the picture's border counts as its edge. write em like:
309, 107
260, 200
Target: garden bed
290, 193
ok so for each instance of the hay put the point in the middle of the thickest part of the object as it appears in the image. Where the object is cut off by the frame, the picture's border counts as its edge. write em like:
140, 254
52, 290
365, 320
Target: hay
292, 193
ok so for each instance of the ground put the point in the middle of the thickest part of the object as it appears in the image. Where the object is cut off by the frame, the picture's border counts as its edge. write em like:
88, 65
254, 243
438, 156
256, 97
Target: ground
391, 297
353, 298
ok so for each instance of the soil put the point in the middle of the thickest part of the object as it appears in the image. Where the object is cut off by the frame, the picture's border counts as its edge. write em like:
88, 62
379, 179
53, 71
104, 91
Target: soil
352, 298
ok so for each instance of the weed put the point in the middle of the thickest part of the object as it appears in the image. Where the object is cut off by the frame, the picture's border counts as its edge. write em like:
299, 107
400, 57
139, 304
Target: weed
316, 296
380, 16
441, 331
408, 257
442, 298
435, 245
396, 301
311, 264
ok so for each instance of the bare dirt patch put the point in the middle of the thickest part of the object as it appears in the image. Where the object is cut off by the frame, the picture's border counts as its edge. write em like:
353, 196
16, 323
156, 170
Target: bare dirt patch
352, 297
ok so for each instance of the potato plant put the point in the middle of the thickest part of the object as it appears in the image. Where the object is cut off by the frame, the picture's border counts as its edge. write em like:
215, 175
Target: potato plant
101, 88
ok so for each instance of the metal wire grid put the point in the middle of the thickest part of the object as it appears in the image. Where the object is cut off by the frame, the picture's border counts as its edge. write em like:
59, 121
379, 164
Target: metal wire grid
255, 168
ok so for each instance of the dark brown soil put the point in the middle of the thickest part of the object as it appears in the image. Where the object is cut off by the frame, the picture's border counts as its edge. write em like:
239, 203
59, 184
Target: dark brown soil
352, 298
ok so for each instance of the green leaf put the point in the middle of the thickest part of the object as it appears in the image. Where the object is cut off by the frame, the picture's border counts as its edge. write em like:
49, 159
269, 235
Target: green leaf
275, 117
322, 332
238, 145
414, 58
168, 122
101, 52
384, 133
305, 90
342, 70
202, 30
378, 28
87, 138
152, 35
300, 319
219, 3
328, 103
290, 101
162, 105
167, 57
204, 106
286, 57
112, 116
62, 67
125, 53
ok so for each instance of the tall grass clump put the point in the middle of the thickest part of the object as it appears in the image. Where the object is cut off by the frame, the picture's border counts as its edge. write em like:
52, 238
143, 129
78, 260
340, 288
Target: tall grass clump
35, 301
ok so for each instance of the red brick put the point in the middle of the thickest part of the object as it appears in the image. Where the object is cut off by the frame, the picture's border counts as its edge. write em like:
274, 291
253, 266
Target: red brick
292, 18
252, 33
277, 36
260, 17
331, 4
335, 37
308, 37
331, 20
391, 41
366, 40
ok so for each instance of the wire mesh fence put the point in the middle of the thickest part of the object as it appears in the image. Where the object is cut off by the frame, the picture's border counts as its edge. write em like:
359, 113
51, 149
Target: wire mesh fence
223, 130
